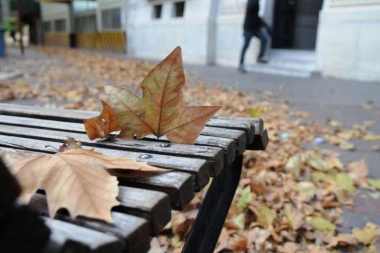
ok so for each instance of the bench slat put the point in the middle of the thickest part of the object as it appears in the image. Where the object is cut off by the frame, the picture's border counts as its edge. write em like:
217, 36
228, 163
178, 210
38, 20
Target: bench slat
179, 186
66, 237
213, 155
251, 126
198, 168
238, 136
132, 231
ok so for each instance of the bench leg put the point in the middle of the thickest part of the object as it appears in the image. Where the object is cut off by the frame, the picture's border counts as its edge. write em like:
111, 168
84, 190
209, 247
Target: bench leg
209, 222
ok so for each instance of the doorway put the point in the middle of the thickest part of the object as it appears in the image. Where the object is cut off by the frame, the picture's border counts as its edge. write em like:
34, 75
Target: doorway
295, 24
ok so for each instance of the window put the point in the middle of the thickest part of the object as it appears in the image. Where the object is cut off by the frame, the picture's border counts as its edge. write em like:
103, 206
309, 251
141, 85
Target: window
85, 24
157, 10
179, 9
111, 19
47, 26
60, 25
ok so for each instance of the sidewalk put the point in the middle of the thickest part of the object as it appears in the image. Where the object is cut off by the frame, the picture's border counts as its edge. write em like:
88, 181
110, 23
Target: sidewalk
324, 98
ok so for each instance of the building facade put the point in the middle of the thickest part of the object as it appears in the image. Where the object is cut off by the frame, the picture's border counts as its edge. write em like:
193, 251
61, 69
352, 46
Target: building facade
339, 37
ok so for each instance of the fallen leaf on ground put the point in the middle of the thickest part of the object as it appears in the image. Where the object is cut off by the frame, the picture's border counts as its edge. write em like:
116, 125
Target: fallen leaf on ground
365, 235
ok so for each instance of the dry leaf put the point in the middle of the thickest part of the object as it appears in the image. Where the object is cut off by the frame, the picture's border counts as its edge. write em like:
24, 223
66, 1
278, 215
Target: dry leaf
161, 110
342, 240
102, 125
365, 235
321, 224
74, 179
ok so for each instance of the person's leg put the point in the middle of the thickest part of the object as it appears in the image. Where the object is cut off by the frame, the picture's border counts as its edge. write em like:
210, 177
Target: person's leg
264, 38
247, 39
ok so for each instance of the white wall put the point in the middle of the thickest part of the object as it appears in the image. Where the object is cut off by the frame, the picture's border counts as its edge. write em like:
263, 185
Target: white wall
110, 4
156, 38
55, 11
348, 42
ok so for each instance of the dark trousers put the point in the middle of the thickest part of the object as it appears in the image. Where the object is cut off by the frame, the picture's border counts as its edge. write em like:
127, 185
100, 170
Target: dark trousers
261, 34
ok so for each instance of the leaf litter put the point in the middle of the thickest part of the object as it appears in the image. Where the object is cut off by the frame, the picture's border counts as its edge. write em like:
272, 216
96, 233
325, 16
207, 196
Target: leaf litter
289, 199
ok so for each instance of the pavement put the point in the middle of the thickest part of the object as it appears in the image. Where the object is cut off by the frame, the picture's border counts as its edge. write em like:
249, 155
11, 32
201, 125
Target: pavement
324, 98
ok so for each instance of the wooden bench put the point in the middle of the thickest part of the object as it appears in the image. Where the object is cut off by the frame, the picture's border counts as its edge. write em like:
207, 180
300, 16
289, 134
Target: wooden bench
217, 153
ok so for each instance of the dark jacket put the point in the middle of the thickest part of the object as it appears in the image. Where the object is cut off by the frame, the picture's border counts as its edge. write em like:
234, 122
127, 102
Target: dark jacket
252, 20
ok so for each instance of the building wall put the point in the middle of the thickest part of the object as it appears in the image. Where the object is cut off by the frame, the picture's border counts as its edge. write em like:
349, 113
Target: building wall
156, 38
348, 40
112, 4
55, 11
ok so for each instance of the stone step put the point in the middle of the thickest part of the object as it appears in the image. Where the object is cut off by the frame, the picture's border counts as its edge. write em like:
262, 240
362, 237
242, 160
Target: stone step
268, 69
298, 63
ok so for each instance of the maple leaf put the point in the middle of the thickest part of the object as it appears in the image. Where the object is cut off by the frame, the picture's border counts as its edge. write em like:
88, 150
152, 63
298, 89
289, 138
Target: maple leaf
102, 125
161, 110
74, 179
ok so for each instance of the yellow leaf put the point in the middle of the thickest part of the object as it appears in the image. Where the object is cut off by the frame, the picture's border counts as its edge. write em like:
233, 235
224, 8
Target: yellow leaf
371, 137
317, 162
342, 240
307, 189
365, 235
256, 112
239, 221
74, 179
321, 224
344, 182
294, 216
374, 182
294, 165
265, 215
245, 198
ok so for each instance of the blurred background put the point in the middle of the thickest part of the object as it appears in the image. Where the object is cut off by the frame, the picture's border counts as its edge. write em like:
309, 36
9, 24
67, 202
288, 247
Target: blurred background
332, 38
318, 96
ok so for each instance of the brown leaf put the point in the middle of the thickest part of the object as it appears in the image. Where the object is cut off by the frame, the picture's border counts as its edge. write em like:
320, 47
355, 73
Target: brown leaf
161, 110
74, 179
102, 125
342, 240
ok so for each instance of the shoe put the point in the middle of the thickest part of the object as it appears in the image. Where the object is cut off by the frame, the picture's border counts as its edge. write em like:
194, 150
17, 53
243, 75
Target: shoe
262, 60
242, 69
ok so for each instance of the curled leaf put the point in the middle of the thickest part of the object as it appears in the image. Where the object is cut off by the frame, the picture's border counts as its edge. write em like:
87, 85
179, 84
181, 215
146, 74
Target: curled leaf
102, 125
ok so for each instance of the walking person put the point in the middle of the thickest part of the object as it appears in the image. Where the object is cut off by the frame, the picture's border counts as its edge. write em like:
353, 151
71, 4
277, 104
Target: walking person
254, 26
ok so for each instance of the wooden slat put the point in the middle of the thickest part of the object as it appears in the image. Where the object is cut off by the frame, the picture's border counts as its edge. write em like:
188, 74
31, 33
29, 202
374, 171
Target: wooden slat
257, 135
67, 237
155, 208
250, 126
179, 186
213, 155
238, 136
133, 232
198, 168
229, 145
